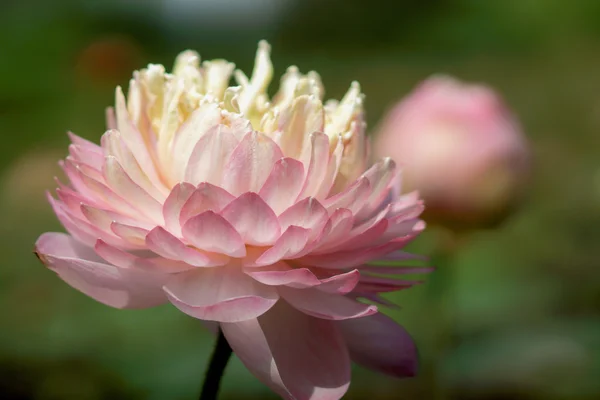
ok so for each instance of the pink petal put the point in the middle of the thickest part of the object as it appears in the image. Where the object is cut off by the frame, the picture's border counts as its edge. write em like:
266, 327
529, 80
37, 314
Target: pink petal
86, 169
111, 118
253, 219
325, 305
340, 283
83, 154
72, 200
98, 193
250, 163
211, 232
282, 274
84, 143
308, 214
318, 164
166, 245
352, 258
405, 228
297, 356
353, 197
381, 176
206, 197
283, 185
134, 139
104, 218
121, 183
82, 230
173, 205
208, 159
332, 170
77, 265
341, 222
223, 294
123, 259
202, 120
131, 234
380, 344
67, 220
114, 145
363, 239
97, 217
289, 244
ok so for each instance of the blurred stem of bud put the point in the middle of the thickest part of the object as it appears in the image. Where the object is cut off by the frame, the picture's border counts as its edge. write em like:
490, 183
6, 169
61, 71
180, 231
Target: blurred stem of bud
441, 295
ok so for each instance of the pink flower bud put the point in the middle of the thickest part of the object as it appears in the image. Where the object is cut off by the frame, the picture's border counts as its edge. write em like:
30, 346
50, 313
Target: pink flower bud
460, 147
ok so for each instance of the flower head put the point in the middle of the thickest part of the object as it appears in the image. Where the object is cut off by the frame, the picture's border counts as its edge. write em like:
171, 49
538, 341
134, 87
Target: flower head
256, 213
460, 148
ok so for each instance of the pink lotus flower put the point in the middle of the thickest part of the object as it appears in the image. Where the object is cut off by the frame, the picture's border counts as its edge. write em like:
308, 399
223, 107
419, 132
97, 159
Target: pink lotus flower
254, 213
460, 147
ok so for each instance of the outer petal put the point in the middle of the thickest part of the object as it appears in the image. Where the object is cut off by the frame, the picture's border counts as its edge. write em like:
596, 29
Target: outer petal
299, 357
380, 344
78, 265
223, 294
325, 305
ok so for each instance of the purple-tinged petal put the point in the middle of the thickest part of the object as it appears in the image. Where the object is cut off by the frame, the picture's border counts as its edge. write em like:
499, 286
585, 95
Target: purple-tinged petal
380, 344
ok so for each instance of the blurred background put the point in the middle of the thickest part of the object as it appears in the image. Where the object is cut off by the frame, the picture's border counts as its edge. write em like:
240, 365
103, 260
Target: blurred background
512, 313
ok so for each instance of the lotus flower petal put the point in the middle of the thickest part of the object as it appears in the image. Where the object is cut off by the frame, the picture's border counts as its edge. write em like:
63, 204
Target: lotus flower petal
220, 294
77, 265
325, 305
298, 356
393, 353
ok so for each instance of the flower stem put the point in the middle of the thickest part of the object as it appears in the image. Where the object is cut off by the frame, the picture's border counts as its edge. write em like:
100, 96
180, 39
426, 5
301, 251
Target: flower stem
216, 368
